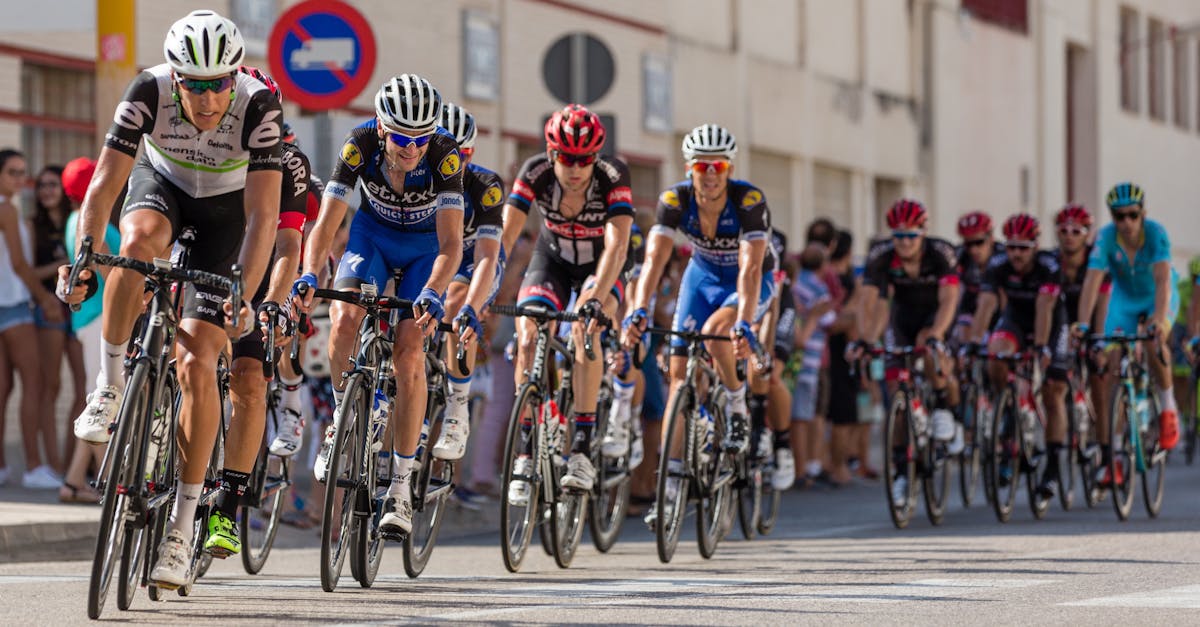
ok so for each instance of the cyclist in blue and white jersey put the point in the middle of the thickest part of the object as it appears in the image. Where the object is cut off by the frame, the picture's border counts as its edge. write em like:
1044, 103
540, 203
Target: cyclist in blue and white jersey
477, 280
1136, 253
723, 290
212, 163
410, 219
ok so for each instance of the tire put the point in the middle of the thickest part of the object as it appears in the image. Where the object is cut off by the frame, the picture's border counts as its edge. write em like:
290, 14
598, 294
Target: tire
1155, 476
714, 490
367, 552
517, 521
162, 430
160, 520
896, 436
257, 543
132, 556
340, 496
1191, 422
969, 459
567, 520
1120, 438
433, 484
610, 500
772, 499
111, 536
1035, 465
1005, 455
749, 496
670, 513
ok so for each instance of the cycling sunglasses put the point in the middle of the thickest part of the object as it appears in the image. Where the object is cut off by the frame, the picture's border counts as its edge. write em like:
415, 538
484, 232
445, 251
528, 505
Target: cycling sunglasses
1019, 245
200, 85
704, 167
1121, 216
466, 152
574, 160
1072, 230
906, 234
972, 243
403, 140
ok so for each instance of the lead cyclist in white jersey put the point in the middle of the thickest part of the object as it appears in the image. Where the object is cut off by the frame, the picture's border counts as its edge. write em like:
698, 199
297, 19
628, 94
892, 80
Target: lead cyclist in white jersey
212, 162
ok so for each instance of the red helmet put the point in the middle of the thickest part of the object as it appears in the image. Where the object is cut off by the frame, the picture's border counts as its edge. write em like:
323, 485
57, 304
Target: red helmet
263, 78
1074, 214
1022, 227
906, 213
575, 131
975, 223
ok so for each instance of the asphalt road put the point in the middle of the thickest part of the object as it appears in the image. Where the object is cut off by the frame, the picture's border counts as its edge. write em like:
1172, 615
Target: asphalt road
834, 558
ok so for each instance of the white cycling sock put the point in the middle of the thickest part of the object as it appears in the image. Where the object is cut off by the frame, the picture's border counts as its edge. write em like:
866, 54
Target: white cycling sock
183, 512
812, 468
291, 397
401, 469
460, 394
737, 400
112, 365
1166, 399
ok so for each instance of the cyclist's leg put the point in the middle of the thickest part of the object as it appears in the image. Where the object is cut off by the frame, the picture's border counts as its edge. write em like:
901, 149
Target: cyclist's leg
1054, 396
1005, 339
363, 262
544, 286
1161, 370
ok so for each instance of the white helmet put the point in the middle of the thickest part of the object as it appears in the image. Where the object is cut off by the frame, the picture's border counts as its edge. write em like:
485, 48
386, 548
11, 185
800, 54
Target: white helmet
709, 140
204, 45
408, 103
460, 123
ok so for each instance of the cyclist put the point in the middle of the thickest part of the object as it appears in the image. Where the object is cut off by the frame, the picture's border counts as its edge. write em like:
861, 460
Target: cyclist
977, 250
723, 289
410, 219
628, 382
1029, 282
1181, 346
776, 400
227, 190
248, 387
919, 274
477, 280
1136, 252
586, 204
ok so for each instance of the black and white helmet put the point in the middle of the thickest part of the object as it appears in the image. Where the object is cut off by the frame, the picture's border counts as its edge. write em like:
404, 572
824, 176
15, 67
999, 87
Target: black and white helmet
460, 123
709, 140
408, 103
204, 45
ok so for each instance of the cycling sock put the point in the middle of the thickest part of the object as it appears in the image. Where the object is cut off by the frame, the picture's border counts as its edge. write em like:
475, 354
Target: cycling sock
337, 397
183, 512
1052, 452
623, 391
941, 399
291, 392
112, 365
459, 387
758, 412
401, 469
233, 486
783, 439
812, 467
585, 423
737, 400
1166, 399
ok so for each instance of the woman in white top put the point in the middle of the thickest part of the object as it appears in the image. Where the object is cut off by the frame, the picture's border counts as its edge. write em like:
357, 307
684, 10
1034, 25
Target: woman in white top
18, 337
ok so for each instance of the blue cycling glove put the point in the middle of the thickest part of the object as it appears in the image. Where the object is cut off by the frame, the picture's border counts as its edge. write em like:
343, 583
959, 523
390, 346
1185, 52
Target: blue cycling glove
430, 302
468, 318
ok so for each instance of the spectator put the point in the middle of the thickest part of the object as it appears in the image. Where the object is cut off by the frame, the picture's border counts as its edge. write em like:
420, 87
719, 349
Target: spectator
843, 389
18, 338
85, 324
809, 403
55, 337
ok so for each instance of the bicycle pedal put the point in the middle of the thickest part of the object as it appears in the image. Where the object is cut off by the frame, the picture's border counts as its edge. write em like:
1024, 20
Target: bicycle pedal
393, 536
162, 585
220, 553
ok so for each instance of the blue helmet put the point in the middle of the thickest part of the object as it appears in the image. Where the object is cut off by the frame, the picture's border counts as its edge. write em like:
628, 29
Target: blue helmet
1125, 194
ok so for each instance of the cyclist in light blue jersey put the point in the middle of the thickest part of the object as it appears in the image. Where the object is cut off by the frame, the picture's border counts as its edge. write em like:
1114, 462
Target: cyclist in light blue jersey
1136, 254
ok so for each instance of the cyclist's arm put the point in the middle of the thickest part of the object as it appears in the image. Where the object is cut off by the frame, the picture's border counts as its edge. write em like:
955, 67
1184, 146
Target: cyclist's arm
262, 217
1046, 302
449, 233
612, 260
750, 256
1162, 295
1193, 317
985, 310
287, 257
514, 221
320, 239
487, 257
112, 171
947, 305
659, 247
1087, 296
867, 321
812, 318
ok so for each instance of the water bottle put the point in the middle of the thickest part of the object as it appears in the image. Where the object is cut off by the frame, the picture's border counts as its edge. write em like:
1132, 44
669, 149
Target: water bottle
1081, 411
984, 418
865, 407
920, 420
877, 369
380, 410
1028, 419
556, 426
706, 443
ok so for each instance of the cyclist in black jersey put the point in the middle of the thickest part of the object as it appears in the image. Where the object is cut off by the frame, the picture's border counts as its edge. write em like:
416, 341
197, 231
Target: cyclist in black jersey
920, 275
586, 206
778, 334
977, 250
477, 280
211, 162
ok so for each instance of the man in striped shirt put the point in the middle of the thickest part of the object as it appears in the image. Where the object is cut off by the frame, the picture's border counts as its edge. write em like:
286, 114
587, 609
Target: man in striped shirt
814, 306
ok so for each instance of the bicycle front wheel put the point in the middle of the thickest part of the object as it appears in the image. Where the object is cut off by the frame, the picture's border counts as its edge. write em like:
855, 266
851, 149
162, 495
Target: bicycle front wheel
1123, 463
968, 461
1155, 476
342, 480
899, 462
749, 496
520, 484
258, 525
1004, 452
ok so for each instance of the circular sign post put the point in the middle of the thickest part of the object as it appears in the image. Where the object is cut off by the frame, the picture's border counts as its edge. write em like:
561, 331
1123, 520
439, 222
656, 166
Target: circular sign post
322, 54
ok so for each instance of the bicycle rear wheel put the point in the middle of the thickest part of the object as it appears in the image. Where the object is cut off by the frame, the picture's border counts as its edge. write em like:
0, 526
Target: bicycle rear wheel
434, 480
258, 525
161, 474
1155, 476
1191, 422
771, 501
749, 497
714, 490
671, 496
610, 499
1122, 464
111, 536
342, 480
518, 516
899, 463
367, 553
968, 460
1005, 455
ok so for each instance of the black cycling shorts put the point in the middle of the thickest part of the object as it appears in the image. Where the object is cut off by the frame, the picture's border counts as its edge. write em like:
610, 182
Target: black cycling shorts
785, 330
551, 282
1020, 336
219, 222
903, 328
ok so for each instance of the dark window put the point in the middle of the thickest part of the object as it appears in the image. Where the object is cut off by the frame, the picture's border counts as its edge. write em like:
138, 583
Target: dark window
1011, 14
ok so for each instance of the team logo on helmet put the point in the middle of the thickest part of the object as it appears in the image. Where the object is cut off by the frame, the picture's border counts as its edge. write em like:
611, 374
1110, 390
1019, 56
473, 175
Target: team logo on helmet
493, 196
752, 197
450, 165
351, 156
669, 198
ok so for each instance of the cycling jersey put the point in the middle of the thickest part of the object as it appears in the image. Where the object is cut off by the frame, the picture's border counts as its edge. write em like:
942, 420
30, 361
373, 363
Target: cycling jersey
1021, 290
745, 217
970, 274
201, 164
785, 331
776, 253
435, 184
919, 294
484, 193
1133, 286
578, 240
1073, 287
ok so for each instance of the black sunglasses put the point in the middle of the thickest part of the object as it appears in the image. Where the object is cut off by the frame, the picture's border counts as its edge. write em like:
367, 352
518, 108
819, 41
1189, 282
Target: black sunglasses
972, 243
1121, 216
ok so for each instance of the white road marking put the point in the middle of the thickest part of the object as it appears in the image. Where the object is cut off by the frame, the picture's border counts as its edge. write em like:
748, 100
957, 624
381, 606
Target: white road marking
1181, 597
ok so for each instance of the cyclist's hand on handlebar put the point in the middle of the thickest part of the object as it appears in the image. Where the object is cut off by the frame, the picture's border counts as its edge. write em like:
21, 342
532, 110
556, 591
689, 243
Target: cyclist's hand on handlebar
428, 310
303, 290
854, 351
280, 315
87, 278
591, 310
634, 327
467, 325
239, 326
743, 338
